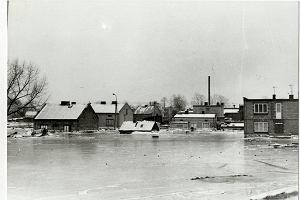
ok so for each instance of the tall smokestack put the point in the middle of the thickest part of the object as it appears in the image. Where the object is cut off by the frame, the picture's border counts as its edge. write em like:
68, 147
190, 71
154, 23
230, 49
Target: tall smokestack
208, 90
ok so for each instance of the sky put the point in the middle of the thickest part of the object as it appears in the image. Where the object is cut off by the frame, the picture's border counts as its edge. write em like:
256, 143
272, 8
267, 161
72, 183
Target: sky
146, 50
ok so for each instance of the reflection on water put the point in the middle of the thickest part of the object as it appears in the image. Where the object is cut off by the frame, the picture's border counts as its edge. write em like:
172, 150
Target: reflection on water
107, 166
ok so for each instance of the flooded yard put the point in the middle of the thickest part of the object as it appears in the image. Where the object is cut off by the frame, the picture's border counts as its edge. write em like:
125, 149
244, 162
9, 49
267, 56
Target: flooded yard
173, 166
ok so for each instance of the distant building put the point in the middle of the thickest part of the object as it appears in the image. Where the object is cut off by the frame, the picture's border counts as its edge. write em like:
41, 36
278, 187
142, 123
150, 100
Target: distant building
217, 109
167, 114
194, 121
149, 112
234, 114
106, 114
271, 116
67, 116
142, 126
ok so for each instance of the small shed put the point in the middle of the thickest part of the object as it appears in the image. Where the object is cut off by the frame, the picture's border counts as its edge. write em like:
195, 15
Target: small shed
142, 126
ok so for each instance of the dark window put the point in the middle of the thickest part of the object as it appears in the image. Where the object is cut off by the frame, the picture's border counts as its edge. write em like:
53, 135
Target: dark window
260, 108
109, 122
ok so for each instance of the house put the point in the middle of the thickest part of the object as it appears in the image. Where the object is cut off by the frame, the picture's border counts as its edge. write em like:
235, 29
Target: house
271, 116
66, 116
149, 112
107, 112
128, 127
194, 121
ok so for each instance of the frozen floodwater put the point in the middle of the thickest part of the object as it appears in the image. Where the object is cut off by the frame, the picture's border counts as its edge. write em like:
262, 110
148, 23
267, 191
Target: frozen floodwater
112, 166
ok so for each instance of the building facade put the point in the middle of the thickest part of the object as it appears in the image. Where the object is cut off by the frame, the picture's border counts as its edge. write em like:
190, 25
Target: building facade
66, 117
194, 121
109, 113
271, 116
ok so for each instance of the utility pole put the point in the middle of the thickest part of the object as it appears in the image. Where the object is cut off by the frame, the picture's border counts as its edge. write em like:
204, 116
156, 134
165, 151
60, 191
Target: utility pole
116, 103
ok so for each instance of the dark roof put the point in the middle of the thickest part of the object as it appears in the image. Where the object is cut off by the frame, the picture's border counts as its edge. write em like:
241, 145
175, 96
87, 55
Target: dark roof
145, 110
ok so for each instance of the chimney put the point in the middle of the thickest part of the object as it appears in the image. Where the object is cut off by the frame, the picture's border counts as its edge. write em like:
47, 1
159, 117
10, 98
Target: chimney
291, 96
65, 103
205, 103
233, 106
103, 102
218, 103
274, 96
222, 104
208, 90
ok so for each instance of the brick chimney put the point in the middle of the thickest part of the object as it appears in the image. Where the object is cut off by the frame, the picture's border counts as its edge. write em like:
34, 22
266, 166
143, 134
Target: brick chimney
274, 96
291, 96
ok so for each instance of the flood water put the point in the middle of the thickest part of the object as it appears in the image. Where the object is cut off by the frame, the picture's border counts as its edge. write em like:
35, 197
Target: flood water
113, 166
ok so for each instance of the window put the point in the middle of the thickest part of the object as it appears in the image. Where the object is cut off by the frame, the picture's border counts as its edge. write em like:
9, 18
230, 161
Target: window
260, 108
44, 127
126, 112
260, 126
109, 122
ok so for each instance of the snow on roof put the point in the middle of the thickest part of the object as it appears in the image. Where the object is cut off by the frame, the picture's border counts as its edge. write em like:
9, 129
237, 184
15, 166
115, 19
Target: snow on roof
56, 111
144, 110
231, 110
106, 108
192, 115
137, 126
30, 114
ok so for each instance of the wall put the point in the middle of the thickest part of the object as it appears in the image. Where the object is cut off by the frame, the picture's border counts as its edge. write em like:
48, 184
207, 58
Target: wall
123, 116
88, 119
56, 124
197, 121
103, 117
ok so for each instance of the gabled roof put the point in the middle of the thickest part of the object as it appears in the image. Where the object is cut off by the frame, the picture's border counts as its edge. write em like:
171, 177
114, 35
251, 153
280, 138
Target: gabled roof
195, 115
137, 126
56, 111
145, 110
106, 108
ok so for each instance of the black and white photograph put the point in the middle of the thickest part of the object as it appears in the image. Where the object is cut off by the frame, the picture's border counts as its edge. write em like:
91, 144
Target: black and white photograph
150, 100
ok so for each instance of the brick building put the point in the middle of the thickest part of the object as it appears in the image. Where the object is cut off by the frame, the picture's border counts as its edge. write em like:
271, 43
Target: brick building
66, 117
106, 114
271, 116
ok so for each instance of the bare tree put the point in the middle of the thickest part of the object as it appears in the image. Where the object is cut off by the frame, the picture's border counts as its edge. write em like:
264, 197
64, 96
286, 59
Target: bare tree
178, 102
25, 89
219, 98
198, 99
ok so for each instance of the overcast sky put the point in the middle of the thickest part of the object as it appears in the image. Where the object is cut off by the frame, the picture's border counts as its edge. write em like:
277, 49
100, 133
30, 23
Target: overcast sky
144, 50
